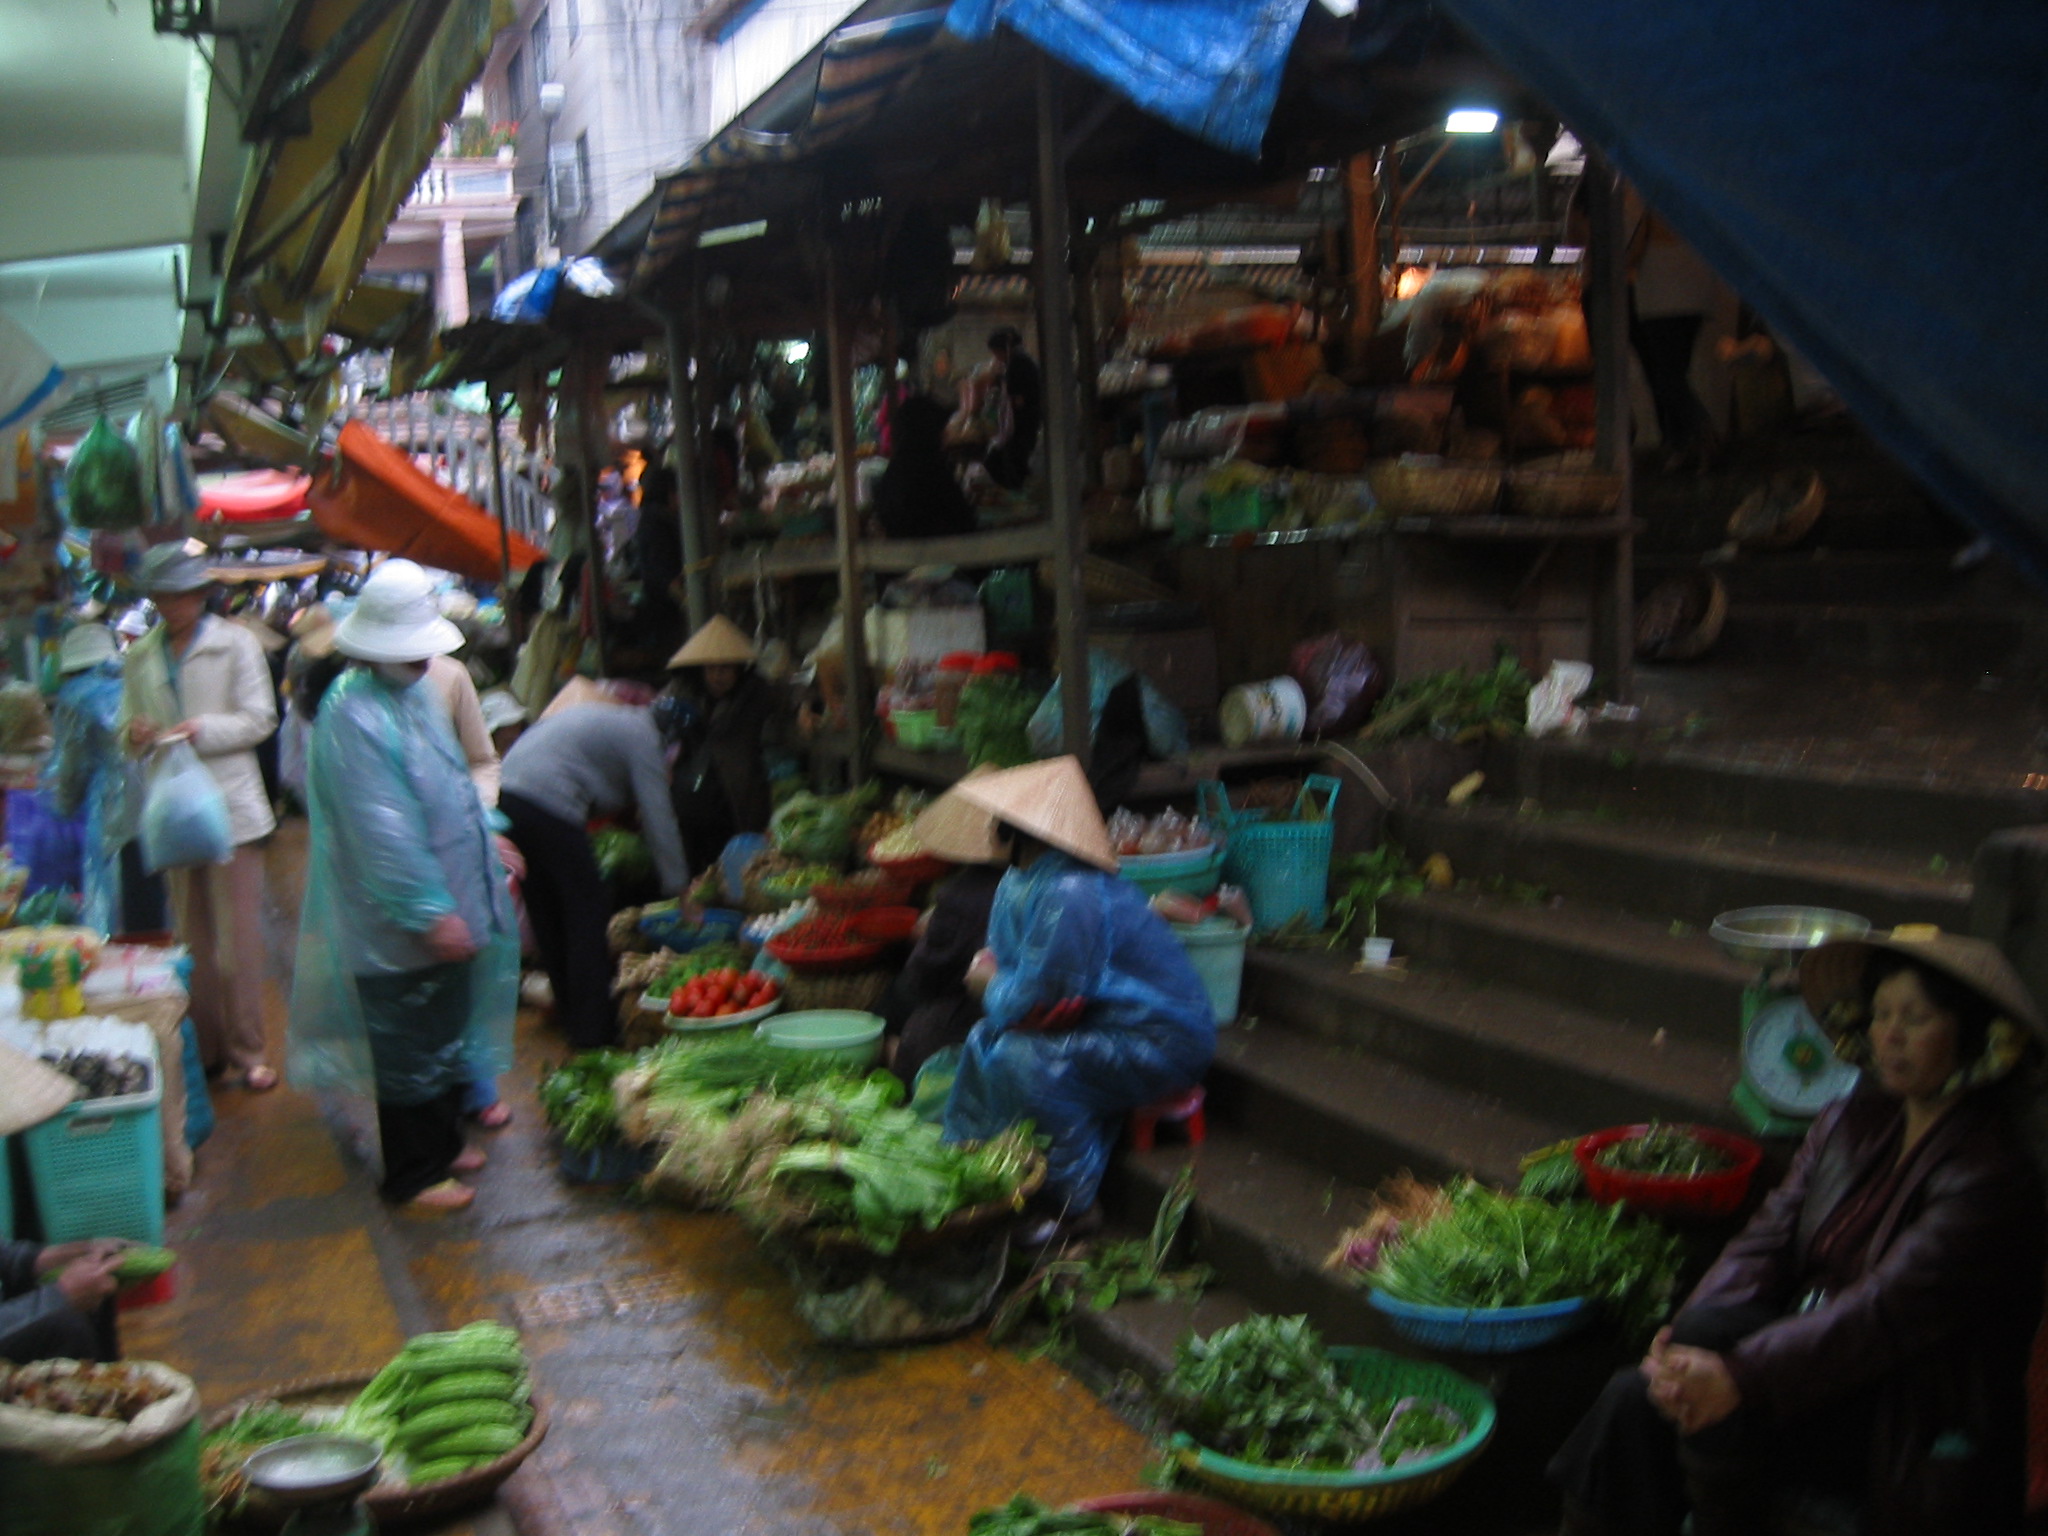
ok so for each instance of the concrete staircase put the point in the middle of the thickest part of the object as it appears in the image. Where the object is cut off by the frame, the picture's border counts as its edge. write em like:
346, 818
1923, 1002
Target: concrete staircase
1569, 986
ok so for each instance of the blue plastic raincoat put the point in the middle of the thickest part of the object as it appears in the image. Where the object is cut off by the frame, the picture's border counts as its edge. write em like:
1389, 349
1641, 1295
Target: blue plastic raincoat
88, 775
1064, 929
399, 839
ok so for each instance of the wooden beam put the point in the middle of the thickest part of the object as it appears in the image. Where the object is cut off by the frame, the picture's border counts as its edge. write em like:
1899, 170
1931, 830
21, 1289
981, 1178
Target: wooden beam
1049, 241
682, 450
514, 619
1362, 204
845, 489
1607, 322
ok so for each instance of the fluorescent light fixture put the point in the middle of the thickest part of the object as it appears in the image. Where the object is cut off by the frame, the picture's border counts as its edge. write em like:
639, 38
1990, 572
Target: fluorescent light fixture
795, 351
732, 234
1341, 7
1472, 120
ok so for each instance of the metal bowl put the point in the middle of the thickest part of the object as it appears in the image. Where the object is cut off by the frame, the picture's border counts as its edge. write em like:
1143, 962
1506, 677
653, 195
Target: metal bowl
313, 1469
1771, 936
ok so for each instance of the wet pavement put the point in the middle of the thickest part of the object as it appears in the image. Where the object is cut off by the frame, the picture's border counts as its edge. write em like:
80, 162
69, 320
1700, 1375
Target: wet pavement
686, 1395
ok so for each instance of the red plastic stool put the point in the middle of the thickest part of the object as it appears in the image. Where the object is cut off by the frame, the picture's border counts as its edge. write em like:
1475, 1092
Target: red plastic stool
1183, 1109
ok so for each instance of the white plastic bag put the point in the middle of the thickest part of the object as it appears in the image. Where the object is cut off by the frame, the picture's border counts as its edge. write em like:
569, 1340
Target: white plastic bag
1551, 701
184, 814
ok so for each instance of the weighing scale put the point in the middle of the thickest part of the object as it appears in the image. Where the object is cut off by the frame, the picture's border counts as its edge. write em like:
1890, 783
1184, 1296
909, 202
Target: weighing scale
1790, 1072
318, 1478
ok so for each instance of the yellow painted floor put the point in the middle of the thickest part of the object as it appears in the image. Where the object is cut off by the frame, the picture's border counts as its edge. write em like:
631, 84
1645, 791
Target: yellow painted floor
688, 1399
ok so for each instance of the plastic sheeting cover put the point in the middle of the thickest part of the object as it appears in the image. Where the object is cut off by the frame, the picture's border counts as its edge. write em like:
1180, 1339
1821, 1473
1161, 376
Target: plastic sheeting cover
1209, 67
1867, 178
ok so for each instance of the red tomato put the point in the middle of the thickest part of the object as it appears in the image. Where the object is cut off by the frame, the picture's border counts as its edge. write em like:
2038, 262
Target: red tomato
728, 1008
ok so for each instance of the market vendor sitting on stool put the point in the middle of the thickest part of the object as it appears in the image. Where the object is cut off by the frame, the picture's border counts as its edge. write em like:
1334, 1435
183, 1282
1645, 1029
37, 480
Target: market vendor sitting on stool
1866, 1335
1091, 1008
721, 781
929, 1007
57, 1302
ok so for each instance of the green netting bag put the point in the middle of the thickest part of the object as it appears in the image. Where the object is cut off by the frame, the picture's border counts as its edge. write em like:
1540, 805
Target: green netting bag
104, 482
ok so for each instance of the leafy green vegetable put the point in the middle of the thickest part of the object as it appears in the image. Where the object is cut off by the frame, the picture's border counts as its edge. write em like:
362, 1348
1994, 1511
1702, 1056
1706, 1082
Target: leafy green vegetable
1552, 1174
1025, 1516
1665, 1152
1121, 1271
994, 711
1455, 705
1264, 1390
819, 827
576, 1098
1491, 1250
621, 854
708, 957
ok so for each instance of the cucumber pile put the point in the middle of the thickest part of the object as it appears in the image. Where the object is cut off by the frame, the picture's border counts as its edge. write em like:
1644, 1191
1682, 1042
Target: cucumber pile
448, 1403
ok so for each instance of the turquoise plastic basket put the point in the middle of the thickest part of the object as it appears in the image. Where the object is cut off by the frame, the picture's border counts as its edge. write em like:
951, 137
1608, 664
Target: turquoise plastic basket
1484, 1331
97, 1168
1283, 865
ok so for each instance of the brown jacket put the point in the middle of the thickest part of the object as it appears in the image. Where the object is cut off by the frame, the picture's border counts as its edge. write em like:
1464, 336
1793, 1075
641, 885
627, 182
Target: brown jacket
1935, 1333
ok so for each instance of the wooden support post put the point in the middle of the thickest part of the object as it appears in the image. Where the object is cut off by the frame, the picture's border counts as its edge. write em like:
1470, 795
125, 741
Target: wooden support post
682, 450
582, 399
514, 619
1049, 239
1362, 206
1088, 360
1607, 322
845, 490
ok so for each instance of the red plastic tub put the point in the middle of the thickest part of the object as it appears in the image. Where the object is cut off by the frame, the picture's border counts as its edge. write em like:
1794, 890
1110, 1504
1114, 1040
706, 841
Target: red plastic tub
889, 925
824, 944
1214, 1516
149, 1293
1712, 1194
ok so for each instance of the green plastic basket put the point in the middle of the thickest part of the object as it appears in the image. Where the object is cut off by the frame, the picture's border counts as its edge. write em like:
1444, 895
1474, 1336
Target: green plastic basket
1353, 1496
1283, 865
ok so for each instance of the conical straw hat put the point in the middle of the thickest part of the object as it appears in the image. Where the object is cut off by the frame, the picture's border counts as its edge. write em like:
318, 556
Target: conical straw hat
954, 829
719, 641
1052, 802
29, 1091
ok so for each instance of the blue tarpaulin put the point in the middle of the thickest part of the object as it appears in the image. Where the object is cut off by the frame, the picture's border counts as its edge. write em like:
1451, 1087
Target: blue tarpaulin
1209, 67
1868, 176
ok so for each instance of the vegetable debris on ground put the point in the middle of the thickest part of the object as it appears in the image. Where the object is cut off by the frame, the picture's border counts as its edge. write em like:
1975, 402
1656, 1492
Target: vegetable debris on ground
1455, 705
1665, 1152
1129, 1270
1265, 1390
1025, 1516
1364, 880
1485, 1250
576, 1098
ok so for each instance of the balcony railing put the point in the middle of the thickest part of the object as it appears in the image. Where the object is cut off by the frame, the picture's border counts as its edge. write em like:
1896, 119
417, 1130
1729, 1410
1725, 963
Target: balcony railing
451, 181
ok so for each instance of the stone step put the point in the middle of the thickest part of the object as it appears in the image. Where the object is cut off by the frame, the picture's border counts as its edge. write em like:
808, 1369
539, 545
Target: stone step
1682, 871
1619, 967
1907, 815
1362, 1041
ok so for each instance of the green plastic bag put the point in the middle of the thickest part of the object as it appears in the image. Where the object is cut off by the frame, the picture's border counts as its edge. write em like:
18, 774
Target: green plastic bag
104, 482
154, 1492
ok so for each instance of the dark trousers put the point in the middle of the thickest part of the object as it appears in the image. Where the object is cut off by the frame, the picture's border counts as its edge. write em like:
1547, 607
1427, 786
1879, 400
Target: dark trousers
64, 1333
415, 1021
1664, 345
566, 904
1622, 1463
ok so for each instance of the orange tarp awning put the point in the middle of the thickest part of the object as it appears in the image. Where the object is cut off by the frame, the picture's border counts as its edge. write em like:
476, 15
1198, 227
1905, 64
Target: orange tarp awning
384, 502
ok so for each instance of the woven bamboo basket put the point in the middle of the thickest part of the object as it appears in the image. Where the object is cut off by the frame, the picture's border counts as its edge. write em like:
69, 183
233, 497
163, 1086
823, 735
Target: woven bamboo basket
1563, 493
1416, 488
1682, 617
854, 990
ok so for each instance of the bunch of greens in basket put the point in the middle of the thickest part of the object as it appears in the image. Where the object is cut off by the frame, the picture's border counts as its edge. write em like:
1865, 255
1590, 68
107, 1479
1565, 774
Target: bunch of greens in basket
576, 1098
1025, 1516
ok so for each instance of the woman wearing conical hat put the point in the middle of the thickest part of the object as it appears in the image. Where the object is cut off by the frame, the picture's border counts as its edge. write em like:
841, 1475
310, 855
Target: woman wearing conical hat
1091, 1008
721, 784
1875, 1315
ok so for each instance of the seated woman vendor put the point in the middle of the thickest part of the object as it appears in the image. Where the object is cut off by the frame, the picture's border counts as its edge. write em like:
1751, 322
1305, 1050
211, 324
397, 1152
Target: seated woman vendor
1867, 1333
57, 1302
1090, 1006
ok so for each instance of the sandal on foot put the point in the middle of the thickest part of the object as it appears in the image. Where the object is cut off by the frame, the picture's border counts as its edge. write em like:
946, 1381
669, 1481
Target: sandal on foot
448, 1195
469, 1160
492, 1117
259, 1078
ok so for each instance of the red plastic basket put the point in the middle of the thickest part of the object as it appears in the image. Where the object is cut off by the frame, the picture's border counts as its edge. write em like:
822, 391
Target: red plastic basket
915, 871
149, 1293
849, 953
888, 925
1711, 1194
1214, 1516
853, 895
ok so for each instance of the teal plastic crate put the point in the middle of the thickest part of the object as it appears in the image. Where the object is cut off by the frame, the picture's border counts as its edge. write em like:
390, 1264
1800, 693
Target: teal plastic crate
97, 1168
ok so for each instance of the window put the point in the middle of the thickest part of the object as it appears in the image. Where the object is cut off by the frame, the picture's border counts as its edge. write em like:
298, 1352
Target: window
543, 49
569, 177
515, 83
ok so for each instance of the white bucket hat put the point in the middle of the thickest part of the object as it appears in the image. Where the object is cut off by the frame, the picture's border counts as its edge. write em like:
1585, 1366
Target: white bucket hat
86, 646
397, 618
